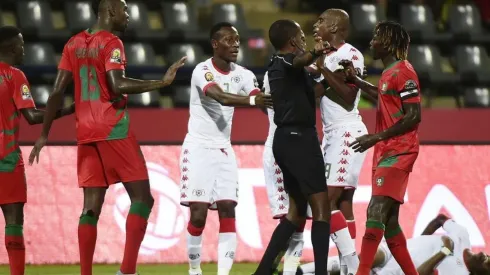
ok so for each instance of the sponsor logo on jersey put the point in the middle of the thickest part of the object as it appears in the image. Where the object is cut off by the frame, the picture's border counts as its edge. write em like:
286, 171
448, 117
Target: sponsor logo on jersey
380, 181
116, 56
209, 76
383, 87
26, 93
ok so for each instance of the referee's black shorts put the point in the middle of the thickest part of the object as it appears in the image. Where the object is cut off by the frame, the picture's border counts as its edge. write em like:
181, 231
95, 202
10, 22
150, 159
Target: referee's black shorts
298, 154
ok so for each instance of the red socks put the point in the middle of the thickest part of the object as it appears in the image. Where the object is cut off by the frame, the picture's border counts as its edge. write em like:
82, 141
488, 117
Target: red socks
370, 242
351, 224
398, 246
135, 233
14, 242
87, 236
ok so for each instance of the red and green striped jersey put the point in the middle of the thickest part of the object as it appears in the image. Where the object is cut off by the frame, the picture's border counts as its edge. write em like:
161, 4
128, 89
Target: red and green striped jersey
398, 84
14, 95
100, 114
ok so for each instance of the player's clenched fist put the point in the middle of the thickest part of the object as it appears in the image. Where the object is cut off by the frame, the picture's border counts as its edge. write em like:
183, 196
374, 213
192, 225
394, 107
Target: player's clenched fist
172, 70
263, 100
349, 70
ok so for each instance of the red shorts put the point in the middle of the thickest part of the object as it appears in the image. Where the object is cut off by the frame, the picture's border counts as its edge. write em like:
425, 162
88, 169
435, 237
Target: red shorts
390, 182
13, 186
107, 162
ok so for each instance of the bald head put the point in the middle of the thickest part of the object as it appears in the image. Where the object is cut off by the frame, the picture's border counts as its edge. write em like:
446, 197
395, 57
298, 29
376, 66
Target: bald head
333, 24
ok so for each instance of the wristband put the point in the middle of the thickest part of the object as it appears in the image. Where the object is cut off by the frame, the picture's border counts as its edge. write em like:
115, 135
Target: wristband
446, 251
252, 100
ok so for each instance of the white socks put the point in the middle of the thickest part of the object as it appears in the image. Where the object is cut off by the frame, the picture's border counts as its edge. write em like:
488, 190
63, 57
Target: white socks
293, 254
226, 252
341, 237
194, 246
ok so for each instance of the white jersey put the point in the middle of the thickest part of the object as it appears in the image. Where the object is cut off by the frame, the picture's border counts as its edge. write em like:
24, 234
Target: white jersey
423, 248
332, 113
210, 122
270, 114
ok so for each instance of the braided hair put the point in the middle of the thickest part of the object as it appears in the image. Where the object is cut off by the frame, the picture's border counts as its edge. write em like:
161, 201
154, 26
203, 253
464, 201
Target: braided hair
394, 38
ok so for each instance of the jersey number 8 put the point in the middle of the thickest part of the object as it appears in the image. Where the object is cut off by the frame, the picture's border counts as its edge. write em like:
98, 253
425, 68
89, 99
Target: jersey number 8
90, 83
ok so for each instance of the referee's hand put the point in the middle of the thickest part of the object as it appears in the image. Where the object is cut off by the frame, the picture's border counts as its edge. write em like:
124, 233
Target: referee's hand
263, 100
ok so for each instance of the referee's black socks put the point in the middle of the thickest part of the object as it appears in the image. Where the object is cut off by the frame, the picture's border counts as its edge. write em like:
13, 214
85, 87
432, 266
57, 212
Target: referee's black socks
278, 242
320, 239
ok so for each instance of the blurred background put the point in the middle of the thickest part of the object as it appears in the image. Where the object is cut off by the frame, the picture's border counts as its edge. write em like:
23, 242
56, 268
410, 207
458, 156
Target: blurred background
450, 40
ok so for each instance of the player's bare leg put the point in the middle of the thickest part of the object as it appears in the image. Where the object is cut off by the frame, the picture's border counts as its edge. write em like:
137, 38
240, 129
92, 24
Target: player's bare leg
14, 237
139, 212
340, 235
227, 236
397, 243
197, 222
93, 199
279, 240
320, 230
378, 212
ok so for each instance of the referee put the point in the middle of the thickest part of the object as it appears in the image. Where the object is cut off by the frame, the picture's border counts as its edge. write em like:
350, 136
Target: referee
296, 146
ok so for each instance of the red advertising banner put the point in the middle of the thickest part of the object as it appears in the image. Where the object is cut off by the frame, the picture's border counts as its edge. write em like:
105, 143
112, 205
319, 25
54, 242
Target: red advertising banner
450, 179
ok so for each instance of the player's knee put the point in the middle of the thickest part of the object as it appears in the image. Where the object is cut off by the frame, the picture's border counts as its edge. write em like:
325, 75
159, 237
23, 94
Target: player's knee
226, 209
14, 214
199, 213
91, 213
379, 209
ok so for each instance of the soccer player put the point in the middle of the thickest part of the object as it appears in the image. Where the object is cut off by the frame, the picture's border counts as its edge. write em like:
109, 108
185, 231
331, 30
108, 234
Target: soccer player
396, 142
449, 254
108, 152
209, 170
15, 99
342, 124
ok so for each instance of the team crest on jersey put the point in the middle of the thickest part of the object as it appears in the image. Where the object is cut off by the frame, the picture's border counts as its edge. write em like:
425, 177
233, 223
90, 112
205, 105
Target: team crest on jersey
383, 87
380, 181
410, 85
236, 78
26, 93
116, 56
209, 76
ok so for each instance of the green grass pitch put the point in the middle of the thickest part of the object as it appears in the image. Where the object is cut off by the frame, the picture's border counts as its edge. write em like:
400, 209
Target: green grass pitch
156, 269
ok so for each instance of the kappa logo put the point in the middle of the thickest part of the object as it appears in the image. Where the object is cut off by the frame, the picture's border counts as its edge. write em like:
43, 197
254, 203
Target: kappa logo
163, 230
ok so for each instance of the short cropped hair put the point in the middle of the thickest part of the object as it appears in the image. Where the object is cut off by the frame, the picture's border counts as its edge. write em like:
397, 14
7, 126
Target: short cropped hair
281, 32
7, 33
217, 27
96, 5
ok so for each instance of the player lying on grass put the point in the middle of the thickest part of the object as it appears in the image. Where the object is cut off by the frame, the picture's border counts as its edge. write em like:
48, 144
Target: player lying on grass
449, 254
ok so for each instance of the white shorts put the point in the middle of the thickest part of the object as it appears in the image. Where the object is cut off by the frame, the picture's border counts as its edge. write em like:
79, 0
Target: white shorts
208, 175
278, 198
342, 165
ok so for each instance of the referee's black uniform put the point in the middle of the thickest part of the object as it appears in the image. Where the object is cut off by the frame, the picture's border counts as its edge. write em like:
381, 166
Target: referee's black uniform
296, 146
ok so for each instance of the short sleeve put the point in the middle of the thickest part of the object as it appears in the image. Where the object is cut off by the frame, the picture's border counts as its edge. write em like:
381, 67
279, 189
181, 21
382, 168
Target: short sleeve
250, 84
357, 60
21, 91
408, 86
65, 63
114, 55
203, 78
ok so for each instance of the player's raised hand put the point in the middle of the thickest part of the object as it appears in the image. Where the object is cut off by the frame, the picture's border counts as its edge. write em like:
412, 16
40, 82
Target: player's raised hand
349, 70
36, 150
263, 100
365, 142
172, 70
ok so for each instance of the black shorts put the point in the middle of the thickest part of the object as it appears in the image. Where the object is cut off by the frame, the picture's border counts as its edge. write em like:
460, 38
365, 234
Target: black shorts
298, 154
